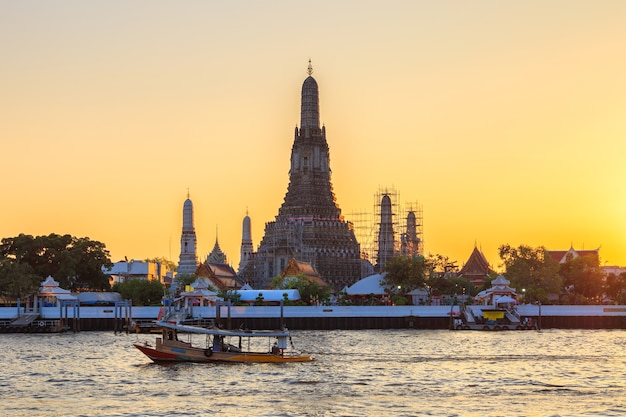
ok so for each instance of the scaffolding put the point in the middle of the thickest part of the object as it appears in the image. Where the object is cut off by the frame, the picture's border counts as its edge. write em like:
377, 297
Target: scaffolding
367, 226
412, 245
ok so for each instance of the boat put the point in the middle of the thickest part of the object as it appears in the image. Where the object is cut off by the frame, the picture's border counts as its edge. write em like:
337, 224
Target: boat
220, 345
499, 311
491, 318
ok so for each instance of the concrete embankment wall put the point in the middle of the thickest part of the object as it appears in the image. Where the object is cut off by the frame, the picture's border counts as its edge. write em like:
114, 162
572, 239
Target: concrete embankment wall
335, 317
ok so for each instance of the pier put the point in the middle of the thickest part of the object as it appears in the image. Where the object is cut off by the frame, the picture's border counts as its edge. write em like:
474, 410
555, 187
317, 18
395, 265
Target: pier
91, 318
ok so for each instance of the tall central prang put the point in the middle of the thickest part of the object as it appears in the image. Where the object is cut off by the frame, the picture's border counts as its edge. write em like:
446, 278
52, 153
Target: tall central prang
309, 226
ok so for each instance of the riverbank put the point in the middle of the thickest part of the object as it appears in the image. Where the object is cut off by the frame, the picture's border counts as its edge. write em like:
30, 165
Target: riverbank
89, 318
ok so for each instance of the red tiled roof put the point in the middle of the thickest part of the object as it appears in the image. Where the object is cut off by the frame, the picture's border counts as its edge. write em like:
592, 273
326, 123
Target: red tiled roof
295, 267
561, 255
476, 264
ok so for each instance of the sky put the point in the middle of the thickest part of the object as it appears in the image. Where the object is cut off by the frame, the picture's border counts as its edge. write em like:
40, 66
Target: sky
504, 121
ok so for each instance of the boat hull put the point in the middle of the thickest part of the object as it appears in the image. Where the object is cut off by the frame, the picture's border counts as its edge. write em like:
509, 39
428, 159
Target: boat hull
193, 354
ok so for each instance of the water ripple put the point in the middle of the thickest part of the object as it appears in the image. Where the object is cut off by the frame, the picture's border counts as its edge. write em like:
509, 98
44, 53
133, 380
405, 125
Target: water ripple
356, 373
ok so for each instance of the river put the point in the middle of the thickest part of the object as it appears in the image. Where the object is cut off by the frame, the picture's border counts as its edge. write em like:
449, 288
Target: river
356, 373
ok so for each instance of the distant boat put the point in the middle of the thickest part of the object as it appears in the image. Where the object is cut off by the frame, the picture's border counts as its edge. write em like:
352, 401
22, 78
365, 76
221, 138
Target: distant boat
492, 318
262, 346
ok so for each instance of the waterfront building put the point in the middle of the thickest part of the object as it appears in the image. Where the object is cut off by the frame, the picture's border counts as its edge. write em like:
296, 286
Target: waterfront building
188, 260
309, 226
125, 270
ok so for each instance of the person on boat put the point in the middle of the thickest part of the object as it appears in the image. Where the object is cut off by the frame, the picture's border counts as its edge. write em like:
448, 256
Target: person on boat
217, 343
275, 349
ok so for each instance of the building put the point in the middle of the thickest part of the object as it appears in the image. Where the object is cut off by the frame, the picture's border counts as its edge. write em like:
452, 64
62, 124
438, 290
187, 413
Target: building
297, 268
476, 268
562, 256
217, 271
386, 241
219, 276
309, 226
216, 255
124, 270
411, 243
246, 244
188, 260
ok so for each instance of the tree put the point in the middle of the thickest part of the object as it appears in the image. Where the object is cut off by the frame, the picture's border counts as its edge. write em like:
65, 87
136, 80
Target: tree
310, 292
76, 263
405, 273
182, 280
140, 291
441, 275
530, 269
615, 287
583, 278
17, 280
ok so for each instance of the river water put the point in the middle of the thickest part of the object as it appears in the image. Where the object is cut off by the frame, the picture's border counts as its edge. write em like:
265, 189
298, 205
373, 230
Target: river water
356, 373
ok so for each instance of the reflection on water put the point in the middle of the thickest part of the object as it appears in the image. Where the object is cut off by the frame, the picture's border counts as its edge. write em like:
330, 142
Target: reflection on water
356, 373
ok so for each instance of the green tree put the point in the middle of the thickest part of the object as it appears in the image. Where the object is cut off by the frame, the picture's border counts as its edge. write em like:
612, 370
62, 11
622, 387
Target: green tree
441, 276
405, 274
17, 280
310, 292
76, 263
183, 280
141, 292
528, 268
615, 287
583, 278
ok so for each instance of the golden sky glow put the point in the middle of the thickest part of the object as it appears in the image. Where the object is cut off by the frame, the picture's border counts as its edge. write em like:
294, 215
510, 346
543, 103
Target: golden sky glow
505, 120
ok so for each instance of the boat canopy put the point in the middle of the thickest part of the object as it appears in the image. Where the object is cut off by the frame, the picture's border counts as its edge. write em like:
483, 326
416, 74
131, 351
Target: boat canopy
220, 332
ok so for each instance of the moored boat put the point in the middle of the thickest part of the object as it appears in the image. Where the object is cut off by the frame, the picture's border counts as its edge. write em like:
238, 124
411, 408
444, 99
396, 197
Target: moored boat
498, 312
262, 346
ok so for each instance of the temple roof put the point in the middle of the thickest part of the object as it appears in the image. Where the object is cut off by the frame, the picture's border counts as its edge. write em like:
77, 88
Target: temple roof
216, 256
476, 264
222, 276
561, 256
295, 268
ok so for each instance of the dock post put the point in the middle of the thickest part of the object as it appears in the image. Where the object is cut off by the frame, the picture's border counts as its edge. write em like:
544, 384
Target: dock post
282, 316
539, 318
228, 320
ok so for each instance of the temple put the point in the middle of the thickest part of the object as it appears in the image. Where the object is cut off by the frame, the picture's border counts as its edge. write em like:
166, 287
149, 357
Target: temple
188, 261
309, 226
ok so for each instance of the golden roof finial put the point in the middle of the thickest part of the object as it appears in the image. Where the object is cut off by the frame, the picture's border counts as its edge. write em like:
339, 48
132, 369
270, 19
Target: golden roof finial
309, 70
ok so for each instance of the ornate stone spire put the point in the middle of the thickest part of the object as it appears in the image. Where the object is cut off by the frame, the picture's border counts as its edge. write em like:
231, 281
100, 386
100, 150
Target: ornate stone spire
246, 243
188, 261
385, 233
310, 110
309, 226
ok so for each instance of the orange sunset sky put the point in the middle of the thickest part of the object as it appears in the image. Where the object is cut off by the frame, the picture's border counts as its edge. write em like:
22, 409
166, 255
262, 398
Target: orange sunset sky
506, 121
